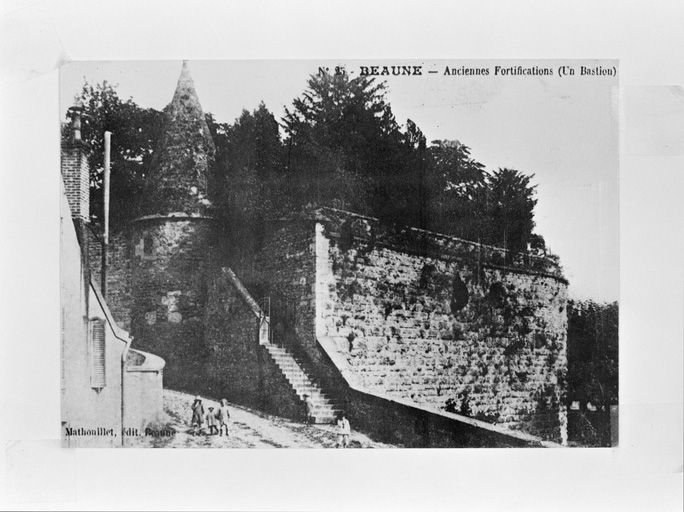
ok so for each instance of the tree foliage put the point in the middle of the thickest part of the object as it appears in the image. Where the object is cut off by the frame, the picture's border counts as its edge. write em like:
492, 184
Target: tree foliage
458, 185
593, 352
510, 206
135, 131
246, 177
341, 139
341, 146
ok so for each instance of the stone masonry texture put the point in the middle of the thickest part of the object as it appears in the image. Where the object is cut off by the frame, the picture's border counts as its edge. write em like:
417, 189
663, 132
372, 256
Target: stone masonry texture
181, 162
170, 259
441, 322
171, 248
427, 318
237, 366
118, 273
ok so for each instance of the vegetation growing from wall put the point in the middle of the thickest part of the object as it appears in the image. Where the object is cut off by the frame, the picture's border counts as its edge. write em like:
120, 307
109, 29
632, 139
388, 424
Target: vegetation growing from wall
592, 372
593, 353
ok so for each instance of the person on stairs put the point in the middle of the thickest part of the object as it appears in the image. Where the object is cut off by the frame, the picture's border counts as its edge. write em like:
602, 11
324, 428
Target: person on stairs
343, 431
310, 419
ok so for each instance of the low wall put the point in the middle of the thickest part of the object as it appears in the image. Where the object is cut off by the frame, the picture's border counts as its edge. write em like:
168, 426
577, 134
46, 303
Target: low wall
143, 385
404, 423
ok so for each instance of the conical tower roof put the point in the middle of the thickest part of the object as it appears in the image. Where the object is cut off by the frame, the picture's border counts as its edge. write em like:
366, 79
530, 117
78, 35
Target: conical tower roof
177, 181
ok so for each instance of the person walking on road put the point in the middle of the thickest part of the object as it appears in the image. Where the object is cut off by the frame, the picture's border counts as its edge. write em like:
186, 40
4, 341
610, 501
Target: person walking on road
343, 431
197, 415
223, 416
212, 422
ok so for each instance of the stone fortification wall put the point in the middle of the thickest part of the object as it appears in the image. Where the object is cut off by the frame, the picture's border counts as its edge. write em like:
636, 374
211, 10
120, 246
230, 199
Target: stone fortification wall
442, 322
287, 274
170, 259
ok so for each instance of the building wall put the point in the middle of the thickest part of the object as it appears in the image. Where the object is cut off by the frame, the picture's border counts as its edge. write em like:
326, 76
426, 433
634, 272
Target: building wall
169, 262
118, 273
82, 405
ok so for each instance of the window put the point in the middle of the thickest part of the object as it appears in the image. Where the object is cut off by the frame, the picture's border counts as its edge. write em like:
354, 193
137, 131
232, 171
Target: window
96, 338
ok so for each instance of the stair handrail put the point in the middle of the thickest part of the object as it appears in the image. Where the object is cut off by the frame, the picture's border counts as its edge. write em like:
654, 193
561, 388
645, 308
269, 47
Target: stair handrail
264, 319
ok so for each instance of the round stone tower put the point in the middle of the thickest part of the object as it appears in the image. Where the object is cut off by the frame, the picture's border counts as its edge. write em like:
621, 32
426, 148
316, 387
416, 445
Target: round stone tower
171, 245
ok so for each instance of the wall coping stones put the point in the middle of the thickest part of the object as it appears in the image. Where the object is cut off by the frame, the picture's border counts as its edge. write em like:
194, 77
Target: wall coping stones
139, 361
173, 217
530, 272
425, 243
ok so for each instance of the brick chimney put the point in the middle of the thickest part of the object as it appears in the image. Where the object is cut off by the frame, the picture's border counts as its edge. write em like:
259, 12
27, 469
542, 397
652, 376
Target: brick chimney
76, 177
75, 170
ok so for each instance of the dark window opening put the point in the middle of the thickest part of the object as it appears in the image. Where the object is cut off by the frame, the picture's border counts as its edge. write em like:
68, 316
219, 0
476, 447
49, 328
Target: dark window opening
459, 294
148, 245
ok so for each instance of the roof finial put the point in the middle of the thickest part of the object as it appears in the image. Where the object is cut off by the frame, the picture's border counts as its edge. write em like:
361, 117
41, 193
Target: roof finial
185, 80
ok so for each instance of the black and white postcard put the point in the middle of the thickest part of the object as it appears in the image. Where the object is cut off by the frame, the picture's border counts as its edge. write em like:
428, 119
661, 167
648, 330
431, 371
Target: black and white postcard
339, 254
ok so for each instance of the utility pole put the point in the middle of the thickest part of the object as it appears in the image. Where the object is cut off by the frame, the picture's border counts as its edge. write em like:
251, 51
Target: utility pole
105, 238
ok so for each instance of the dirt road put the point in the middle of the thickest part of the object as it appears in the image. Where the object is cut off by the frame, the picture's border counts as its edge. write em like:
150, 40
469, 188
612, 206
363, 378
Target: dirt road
248, 429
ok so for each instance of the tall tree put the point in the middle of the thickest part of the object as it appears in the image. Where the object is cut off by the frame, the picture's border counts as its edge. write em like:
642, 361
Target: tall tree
135, 131
458, 186
343, 143
593, 352
510, 204
247, 176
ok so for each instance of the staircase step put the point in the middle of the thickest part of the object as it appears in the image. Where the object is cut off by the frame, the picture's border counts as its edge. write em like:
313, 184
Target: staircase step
325, 407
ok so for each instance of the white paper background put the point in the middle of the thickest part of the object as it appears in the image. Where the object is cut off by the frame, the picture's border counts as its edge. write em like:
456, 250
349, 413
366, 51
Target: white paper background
645, 473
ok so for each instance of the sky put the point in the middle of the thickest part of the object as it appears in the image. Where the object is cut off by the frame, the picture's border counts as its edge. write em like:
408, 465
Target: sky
562, 129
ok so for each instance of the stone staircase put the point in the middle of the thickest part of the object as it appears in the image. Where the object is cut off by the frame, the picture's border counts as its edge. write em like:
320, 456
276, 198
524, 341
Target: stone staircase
325, 407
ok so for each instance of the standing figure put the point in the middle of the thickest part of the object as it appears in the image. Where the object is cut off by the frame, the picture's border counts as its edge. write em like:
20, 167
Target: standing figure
223, 415
212, 422
343, 431
197, 415
310, 419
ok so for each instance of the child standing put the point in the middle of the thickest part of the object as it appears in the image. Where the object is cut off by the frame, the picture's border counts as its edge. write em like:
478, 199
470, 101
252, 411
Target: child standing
212, 422
343, 431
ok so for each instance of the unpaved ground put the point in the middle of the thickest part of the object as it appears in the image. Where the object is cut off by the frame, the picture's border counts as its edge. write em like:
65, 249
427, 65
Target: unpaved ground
248, 429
